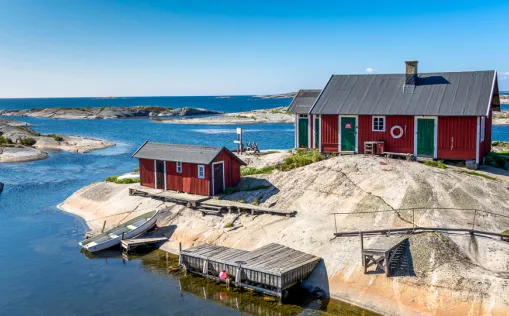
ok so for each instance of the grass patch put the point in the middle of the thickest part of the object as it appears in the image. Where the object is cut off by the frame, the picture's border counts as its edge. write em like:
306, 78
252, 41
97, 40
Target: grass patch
255, 202
497, 143
228, 225
497, 160
115, 179
273, 152
242, 201
27, 141
506, 232
482, 175
300, 158
136, 169
436, 164
246, 171
253, 118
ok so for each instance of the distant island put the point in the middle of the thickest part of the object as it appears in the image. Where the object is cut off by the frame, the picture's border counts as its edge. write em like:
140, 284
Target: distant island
287, 95
108, 112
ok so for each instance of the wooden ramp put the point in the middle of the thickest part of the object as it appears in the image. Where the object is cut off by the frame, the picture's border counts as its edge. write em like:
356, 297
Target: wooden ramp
384, 254
206, 204
131, 244
271, 269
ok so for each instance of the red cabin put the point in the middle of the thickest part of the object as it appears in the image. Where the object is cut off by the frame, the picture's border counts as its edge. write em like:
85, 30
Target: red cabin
438, 115
202, 170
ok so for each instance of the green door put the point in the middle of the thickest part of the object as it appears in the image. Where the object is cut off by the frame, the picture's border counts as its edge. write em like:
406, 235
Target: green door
348, 134
303, 132
425, 137
317, 132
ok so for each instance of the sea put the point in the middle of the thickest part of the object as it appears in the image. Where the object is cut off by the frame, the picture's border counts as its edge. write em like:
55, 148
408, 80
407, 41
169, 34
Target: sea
43, 271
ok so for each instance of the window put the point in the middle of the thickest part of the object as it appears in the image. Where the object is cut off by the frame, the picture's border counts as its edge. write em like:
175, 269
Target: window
201, 171
483, 127
179, 167
379, 123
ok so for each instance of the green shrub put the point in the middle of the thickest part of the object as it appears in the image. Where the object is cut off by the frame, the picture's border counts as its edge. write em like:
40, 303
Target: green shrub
136, 169
112, 179
253, 118
496, 143
273, 152
242, 201
37, 134
436, 164
27, 141
228, 225
506, 232
496, 160
55, 137
5, 140
301, 158
255, 202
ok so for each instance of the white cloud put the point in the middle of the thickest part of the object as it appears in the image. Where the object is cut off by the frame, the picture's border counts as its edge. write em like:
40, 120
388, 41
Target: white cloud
503, 75
370, 70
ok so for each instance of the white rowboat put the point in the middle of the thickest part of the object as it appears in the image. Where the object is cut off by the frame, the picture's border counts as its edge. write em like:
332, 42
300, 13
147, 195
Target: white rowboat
113, 237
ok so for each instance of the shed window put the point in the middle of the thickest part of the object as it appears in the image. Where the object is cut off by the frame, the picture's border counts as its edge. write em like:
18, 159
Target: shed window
379, 123
179, 167
201, 171
483, 127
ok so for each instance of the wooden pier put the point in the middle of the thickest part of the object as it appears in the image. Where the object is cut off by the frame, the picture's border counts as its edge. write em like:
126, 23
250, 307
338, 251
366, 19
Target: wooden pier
206, 204
131, 244
384, 254
271, 269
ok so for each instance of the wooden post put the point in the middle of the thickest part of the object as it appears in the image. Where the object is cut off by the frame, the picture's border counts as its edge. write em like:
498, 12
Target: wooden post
362, 249
180, 247
104, 225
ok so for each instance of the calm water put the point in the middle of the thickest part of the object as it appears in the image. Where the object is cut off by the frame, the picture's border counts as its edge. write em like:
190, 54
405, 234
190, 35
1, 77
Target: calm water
41, 269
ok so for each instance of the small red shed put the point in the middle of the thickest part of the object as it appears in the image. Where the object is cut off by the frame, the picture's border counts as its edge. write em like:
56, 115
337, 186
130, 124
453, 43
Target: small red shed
203, 170
446, 115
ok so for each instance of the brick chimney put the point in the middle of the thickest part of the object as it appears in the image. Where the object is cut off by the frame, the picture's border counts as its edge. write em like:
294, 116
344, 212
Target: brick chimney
411, 72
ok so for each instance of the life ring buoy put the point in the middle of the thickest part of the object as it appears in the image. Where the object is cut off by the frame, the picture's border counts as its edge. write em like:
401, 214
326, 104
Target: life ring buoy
399, 134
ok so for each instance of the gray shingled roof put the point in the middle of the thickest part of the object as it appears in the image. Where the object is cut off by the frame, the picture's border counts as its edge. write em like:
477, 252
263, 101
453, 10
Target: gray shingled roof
183, 153
442, 94
303, 101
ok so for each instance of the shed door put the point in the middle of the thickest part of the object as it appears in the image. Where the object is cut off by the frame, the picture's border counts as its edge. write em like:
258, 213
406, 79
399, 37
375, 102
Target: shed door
303, 132
425, 137
317, 132
218, 178
348, 133
159, 174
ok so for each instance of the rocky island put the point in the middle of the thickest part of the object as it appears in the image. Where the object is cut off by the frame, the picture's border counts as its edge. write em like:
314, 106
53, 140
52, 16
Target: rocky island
20, 143
274, 115
444, 273
108, 112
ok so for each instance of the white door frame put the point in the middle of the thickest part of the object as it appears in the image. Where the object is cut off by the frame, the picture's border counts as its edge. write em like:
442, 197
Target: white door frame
435, 136
212, 171
164, 174
319, 144
356, 132
310, 123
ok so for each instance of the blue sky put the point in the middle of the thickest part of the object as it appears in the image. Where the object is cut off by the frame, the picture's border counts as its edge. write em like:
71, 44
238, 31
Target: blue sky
111, 48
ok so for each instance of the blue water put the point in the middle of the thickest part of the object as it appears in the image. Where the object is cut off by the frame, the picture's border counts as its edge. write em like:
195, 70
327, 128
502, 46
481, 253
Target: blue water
230, 104
41, 269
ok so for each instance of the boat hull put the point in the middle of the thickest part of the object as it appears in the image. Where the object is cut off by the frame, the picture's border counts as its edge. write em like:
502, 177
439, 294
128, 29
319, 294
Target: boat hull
116, 241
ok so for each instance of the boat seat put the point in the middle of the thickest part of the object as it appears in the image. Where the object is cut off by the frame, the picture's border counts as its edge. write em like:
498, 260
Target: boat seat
132, 227
92, 244
113, 236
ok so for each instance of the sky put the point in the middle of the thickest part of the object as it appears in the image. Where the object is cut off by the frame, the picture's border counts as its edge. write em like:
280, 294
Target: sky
62, 48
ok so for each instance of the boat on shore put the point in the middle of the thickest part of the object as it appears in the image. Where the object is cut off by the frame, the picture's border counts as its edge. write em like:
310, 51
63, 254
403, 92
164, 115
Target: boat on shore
127, 230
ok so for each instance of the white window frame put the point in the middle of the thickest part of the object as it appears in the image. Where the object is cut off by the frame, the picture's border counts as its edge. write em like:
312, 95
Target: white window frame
202, 168
483, 127
373, 123
179, 167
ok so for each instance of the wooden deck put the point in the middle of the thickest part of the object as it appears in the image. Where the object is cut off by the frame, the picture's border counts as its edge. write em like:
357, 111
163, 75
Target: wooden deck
131, 244
206, 204
270, 269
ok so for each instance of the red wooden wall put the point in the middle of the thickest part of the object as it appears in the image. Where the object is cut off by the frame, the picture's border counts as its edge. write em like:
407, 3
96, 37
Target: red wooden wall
457, 137
404, 144
147, 177
330, 133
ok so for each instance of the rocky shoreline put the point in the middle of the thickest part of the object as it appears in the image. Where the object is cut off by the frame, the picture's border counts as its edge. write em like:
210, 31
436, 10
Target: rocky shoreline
274, 115
20, 143
448, 274
108, 112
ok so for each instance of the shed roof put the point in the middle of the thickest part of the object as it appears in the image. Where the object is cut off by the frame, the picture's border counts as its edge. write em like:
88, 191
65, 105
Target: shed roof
442, 94
182, 153
303, 101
